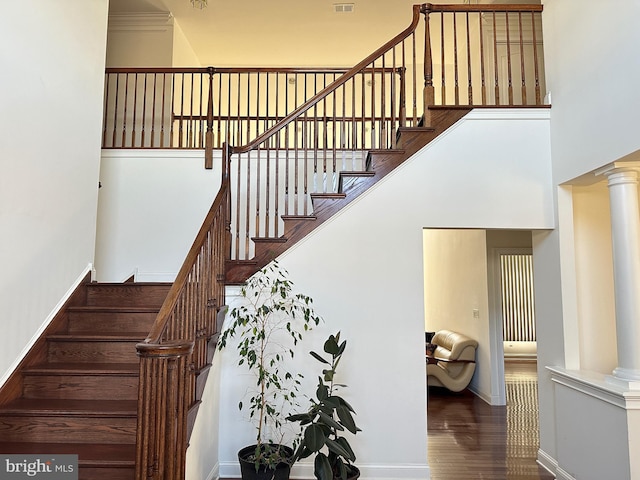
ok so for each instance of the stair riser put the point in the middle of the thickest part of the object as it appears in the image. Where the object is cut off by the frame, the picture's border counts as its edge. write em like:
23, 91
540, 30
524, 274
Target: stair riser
55, 429
95, 352
127, 295
107, 322
106, 473
124, 387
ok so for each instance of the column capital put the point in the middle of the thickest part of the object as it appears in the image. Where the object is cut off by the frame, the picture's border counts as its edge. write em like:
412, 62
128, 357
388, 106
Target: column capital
618, 167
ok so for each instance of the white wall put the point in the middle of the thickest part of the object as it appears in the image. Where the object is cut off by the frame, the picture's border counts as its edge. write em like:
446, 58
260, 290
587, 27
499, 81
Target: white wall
151, 206
52, 57
363, 270
593, 81
594, 278
484, 172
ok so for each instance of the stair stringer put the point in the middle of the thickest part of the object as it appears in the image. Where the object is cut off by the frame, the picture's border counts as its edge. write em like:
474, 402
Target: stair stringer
353, 184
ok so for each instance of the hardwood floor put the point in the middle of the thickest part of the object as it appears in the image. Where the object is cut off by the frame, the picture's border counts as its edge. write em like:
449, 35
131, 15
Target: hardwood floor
469, 439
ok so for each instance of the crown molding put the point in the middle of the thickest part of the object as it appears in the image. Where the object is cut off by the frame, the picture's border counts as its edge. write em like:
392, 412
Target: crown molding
140, 21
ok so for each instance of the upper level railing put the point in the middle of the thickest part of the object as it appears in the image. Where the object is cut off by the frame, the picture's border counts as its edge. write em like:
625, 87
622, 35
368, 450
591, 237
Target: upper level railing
200, 108
478, 55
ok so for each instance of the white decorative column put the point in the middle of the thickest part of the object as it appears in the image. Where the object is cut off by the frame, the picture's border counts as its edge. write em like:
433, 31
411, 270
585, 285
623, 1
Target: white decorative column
625, 236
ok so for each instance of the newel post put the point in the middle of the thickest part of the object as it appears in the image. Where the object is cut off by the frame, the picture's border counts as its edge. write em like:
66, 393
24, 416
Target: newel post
208, 139
429, 92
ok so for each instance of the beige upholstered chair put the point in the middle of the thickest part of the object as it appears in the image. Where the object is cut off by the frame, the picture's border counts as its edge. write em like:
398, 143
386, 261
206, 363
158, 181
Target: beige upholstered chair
453, 362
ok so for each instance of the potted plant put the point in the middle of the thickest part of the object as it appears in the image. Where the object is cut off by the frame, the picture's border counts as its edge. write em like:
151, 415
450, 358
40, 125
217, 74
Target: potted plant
269, 324
326, 419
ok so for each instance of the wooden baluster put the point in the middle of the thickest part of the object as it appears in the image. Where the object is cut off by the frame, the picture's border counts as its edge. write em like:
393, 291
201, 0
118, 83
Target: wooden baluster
429, 93
153, 111
482, 77
509, 77
469, 79
287, 145
124, 115
522, 70
414, 78
535, 59
163, 111
202, 127
208, 142
135, 105
402, 114
363, 111
105, 109
190, 143
180, 123
248, 121
354, 126
373, 106
315, 139
496, 85
443, 62
276, 198
144, 111
238, 123
392, 113
218, 142
383, 106
456, 85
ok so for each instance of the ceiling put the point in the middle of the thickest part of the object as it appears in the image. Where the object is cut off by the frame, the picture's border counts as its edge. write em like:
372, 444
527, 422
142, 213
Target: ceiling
283, 32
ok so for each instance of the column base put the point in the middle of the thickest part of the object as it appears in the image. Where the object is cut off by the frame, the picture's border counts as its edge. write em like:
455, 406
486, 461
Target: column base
626, 378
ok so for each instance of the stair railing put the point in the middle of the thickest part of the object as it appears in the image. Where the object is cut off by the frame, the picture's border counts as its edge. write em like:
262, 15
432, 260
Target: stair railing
179, 347
277, 174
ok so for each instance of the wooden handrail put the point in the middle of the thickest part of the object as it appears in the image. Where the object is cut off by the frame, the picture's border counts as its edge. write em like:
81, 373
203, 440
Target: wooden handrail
332, 87
493, 7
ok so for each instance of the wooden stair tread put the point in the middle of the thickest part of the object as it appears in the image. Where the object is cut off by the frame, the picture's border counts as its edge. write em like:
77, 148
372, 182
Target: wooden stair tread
299, 217
366, 173
269, 239
396, 151
113, 309
70, 407
63, 368
89, 454
101, 337
329, 195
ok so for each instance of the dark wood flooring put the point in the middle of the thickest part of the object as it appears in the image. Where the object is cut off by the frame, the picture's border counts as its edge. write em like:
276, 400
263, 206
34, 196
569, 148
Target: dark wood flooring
469, 439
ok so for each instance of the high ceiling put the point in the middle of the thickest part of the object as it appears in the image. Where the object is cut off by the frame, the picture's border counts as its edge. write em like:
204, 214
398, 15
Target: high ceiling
283, 32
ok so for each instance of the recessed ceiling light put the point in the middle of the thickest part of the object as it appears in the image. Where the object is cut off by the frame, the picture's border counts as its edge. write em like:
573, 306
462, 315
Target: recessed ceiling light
343, 7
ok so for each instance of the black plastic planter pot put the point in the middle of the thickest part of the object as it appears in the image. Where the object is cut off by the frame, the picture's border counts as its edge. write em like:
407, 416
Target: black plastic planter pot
354, 473
248, 468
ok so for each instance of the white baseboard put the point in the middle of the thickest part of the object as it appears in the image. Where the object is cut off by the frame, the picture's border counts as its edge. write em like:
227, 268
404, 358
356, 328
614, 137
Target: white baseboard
154, 276
304, 471
215, 472
562, 475
47, 321
547, 462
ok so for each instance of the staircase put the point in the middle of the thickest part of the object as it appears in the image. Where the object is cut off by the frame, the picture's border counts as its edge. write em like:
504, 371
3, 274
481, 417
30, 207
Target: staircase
77, 390
379, 163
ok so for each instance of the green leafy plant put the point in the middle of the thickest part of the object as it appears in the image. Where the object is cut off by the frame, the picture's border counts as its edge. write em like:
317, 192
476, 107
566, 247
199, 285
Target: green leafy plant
326, 419
269, 323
